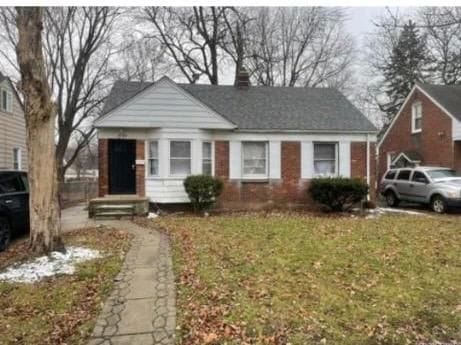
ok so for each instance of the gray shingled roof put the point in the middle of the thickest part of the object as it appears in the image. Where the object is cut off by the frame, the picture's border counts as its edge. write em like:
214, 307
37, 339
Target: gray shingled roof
266, 108
449, 96
2, 77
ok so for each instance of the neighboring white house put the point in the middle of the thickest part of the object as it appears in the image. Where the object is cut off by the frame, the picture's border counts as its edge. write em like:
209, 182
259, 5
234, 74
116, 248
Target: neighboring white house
266, 143
13, 150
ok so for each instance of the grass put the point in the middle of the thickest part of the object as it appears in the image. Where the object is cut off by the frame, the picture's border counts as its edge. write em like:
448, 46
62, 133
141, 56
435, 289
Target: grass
277, 279
62, 309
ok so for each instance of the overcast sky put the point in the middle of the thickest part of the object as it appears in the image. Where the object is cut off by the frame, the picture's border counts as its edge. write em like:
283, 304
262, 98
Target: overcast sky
360, 19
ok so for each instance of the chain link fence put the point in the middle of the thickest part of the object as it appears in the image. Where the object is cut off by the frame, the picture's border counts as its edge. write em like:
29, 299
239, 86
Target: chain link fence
72, 192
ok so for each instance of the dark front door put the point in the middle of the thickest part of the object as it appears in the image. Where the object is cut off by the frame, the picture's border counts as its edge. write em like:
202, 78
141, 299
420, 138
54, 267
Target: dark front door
122, 164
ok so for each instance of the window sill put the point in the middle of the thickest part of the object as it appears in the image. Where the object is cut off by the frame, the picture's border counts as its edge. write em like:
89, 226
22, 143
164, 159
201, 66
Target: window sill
416, 132
254, 180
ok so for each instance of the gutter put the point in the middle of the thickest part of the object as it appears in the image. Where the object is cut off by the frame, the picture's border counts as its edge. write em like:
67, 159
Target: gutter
305, 131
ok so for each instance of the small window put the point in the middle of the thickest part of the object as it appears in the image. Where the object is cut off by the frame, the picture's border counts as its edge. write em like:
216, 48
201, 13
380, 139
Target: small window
6, 101
404, 175
390, 175
325, 159
254, 159
153, 158
417, 117
180, 158
206, 159
418, 176
11, 183
16, 158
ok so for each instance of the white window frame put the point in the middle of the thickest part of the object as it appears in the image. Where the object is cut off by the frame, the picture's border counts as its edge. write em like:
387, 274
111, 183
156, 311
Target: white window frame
211, 159
416, 113
169, 157
266, 167
390, 157
19, 158
336, 144
149, 158
9, 101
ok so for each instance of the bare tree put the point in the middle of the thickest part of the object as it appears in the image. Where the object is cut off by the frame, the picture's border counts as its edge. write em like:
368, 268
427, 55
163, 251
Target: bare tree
192, 37
40, 118
236, 39
300, 46
141, 59
442, 26
77, 48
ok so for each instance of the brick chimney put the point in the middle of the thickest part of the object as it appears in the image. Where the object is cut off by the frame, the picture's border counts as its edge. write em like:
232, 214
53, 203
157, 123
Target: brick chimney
242, 79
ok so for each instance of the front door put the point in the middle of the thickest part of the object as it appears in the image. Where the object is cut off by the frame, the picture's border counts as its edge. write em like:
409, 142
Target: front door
122, 165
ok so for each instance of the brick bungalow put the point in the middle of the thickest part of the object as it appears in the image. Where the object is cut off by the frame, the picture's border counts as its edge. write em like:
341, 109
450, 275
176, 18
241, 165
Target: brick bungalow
266, 143
425, 131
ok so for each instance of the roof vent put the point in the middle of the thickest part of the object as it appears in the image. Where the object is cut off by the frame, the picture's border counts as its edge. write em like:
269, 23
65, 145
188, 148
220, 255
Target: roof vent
242, 80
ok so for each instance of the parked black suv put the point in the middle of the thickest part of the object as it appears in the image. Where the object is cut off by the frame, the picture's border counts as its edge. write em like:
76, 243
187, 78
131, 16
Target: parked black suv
14, 205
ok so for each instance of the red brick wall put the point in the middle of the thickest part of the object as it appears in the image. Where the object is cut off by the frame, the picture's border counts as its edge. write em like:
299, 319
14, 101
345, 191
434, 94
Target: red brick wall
433, 143
359, 164
140, 169
291, 187
289, 190
103, 165
221, 149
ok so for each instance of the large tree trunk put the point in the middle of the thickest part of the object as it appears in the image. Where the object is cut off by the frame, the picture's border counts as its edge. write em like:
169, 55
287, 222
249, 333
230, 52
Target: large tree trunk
45, 227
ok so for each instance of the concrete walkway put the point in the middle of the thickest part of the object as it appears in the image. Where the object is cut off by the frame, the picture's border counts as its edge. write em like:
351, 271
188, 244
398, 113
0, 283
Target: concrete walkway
141, 308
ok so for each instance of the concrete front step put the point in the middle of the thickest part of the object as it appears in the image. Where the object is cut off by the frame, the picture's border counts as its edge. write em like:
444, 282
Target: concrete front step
104, 208
117, 207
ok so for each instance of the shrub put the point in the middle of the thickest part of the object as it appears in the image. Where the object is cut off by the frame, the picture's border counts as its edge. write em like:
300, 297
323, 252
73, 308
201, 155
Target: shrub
202, 190
337, 193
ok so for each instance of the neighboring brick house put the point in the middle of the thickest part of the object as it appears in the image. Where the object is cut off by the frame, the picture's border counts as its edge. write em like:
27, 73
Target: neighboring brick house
13, 150
266, 143
425, 131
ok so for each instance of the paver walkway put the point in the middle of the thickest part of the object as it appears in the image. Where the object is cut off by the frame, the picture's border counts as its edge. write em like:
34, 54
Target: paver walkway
141, 308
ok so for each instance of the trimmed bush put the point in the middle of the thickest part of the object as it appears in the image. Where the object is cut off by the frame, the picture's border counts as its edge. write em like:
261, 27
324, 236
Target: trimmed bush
337, 193
202, 190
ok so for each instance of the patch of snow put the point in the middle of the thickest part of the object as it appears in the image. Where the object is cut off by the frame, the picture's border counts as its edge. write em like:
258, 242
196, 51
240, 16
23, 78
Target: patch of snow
399, 210
48, 266
379, 211
152, 215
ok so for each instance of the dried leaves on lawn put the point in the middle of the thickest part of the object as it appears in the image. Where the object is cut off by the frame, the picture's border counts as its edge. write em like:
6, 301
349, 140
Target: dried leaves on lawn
60, 310
287, 278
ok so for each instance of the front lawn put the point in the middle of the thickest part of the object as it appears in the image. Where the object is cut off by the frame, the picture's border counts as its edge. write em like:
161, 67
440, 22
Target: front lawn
60, 310
296, 279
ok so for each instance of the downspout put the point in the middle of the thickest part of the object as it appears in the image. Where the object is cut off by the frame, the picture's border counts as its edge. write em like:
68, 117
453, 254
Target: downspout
368, 166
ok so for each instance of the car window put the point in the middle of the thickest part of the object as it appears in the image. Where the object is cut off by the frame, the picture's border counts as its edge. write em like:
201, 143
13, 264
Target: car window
404, 175
10, 183
25, 181
390, 175
418, 176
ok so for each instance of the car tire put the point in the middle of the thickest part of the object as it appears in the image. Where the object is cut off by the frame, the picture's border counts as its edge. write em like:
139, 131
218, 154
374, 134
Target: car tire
391, 199
5, 233
438, 204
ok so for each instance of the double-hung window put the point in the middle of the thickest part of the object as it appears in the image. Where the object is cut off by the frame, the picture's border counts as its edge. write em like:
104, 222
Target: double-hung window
207, 168
325, 159
6, 101
416, 117
180, 158
153, 158
255, 159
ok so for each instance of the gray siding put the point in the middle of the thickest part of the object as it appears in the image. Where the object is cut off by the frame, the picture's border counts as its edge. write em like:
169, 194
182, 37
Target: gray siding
163, 105
12, 132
